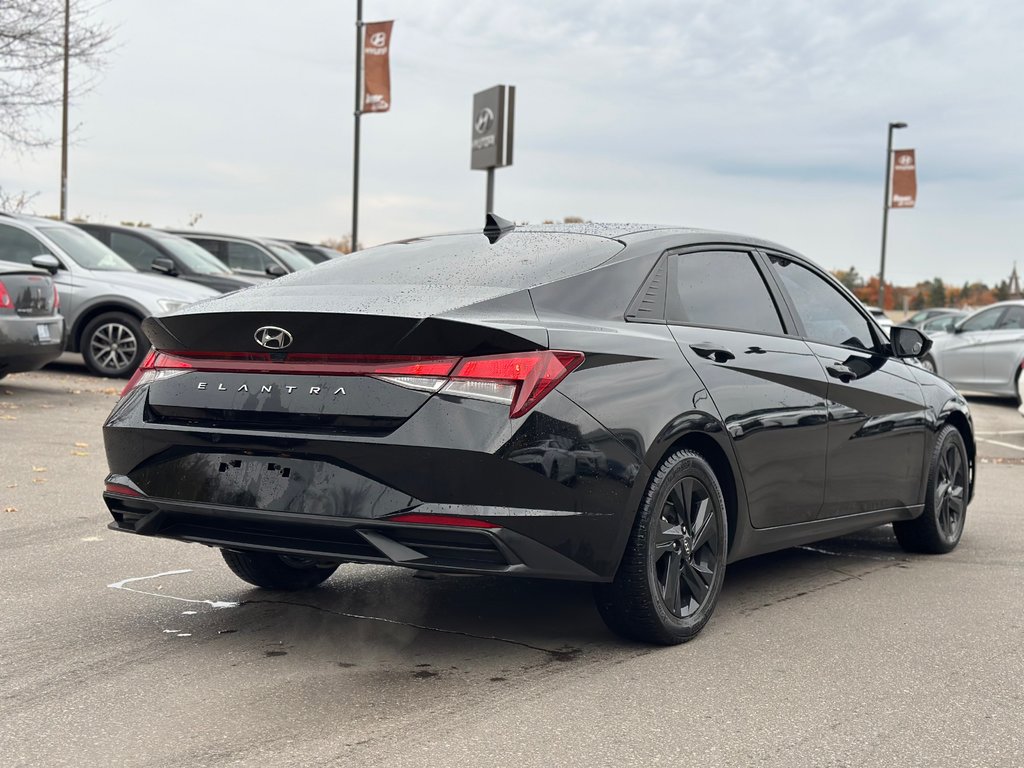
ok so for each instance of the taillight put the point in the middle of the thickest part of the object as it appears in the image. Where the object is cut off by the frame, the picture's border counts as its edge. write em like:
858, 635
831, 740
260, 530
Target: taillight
6, 302
520, 380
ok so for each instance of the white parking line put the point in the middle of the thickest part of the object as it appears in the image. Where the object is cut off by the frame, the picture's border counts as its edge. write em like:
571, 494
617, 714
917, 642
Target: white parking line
1006, 432
1004, 445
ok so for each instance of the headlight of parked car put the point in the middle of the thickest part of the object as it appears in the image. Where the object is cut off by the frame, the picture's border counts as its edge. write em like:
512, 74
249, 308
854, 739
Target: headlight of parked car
171, 305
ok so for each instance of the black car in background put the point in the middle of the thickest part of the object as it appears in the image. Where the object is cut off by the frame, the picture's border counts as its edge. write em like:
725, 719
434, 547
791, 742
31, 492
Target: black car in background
31, 327
150, 249
257, 257
626, 405
313, 252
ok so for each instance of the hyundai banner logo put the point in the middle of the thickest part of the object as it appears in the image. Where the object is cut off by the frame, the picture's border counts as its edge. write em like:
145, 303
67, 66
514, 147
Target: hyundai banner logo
484, 120
272, 337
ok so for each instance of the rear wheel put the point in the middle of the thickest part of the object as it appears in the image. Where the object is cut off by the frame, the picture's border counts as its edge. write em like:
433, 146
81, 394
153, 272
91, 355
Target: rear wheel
1020, 388
113, 344
940, 526
671, 574
270, 571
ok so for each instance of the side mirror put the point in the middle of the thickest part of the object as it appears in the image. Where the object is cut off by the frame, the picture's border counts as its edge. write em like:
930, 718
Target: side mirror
164, 266
908, 342
276, 270
46, 261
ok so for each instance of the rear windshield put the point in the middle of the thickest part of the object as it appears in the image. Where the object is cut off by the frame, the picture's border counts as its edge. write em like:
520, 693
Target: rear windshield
517, 261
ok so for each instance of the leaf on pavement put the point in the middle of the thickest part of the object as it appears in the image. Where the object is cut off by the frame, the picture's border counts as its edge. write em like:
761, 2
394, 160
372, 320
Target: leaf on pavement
81, 445
38, 469
10, 509
8, 417
79, 453
38, 479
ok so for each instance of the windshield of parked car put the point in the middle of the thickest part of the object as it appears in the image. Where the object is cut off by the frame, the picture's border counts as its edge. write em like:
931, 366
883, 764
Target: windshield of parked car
193, 256
292, 258
86, 250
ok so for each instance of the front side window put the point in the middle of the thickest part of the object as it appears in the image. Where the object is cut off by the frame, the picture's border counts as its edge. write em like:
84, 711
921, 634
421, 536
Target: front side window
247, 257
983, 321
828, 316
134, 250
19, 246
721, 289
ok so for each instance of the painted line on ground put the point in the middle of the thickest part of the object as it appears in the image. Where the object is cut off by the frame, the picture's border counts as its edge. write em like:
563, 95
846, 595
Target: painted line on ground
1001, 444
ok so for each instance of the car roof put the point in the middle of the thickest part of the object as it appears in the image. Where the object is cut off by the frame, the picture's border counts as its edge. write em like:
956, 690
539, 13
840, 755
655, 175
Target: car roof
222, 236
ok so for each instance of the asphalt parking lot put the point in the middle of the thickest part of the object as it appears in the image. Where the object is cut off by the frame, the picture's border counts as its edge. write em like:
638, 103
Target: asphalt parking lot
117, 650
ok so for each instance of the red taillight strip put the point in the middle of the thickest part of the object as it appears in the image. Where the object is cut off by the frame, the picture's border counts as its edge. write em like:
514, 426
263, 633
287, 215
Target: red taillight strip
521, 379
417, 518
122, 490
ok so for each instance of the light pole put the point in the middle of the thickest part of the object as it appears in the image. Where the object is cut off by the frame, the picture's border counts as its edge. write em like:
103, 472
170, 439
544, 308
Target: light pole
885, 212
358, 114
64, 117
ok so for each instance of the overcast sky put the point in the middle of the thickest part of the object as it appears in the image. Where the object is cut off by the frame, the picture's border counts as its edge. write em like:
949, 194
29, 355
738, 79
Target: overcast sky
767, 118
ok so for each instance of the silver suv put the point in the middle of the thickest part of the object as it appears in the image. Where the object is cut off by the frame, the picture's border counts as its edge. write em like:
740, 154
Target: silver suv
103, 298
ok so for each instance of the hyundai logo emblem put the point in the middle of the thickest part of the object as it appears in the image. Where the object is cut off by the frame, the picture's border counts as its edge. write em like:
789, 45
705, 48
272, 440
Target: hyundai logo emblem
484, 120
272, 337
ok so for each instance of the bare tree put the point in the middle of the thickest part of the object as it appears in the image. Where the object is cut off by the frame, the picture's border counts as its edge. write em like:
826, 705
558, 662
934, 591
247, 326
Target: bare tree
32, 61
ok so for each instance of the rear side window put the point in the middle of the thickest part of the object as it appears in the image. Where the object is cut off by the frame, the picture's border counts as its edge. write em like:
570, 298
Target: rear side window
1013, 319
721, 289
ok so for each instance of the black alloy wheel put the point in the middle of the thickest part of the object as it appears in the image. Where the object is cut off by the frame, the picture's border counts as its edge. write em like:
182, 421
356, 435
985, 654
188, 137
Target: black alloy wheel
928, 364
939, 528
272, 571
113, 345
671, 574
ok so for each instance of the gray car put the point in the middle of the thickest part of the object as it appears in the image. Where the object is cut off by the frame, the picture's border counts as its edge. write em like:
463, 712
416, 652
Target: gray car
983, 352
31, 328
103, 298
258, 257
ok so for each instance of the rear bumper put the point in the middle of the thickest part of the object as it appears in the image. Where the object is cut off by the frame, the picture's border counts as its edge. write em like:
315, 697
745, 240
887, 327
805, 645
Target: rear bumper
496, 550
22, 349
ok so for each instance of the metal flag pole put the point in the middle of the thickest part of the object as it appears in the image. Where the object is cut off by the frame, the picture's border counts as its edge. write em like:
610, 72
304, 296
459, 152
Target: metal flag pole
358, 114
885, 212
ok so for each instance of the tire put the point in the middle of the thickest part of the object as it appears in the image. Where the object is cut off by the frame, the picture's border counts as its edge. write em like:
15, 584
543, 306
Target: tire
645, 601
928, 363
113, 344
938, 529
1020, 388
270, 571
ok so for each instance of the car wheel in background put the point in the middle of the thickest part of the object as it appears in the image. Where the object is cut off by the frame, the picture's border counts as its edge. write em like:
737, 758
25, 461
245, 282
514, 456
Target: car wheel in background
671, 574
927, 363
938, 529
270, 571
1020, 388
113, 344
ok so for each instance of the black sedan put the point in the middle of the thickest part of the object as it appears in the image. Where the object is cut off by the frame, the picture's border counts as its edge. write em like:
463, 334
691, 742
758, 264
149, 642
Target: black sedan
31, 328
150, 249
726, 398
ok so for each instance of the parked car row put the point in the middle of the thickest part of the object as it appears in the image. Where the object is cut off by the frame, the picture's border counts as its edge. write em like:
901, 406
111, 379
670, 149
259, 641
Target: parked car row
107, 279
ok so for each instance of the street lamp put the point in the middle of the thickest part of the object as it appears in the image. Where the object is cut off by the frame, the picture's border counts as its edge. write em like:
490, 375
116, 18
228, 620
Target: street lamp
885, 212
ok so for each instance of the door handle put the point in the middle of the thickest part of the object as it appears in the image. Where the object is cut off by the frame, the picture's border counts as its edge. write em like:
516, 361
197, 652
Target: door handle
713, 352
841, 372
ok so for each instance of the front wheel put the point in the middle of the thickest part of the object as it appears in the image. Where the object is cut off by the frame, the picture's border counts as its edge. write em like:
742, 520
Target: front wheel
938, 529
927, 363
113, 344
270, 571
671, 574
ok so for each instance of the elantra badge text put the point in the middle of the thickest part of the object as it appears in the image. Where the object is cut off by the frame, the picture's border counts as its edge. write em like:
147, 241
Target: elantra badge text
272, 337
268, 388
